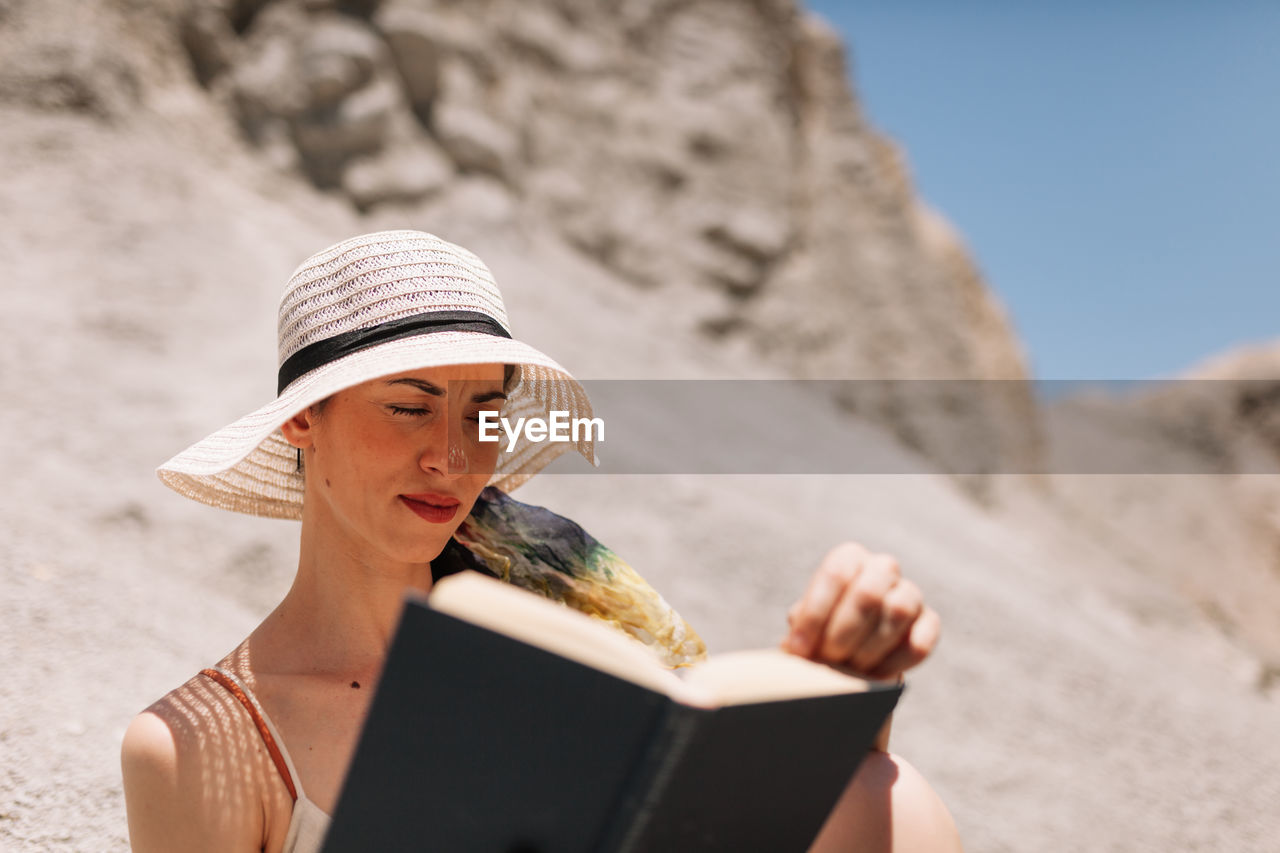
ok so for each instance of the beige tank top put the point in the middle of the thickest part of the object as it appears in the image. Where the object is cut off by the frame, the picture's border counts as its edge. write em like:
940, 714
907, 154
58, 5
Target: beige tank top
308, 823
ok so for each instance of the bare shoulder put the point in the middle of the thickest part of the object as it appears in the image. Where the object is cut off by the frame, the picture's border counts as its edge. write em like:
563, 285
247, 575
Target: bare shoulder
149, 752
193, 775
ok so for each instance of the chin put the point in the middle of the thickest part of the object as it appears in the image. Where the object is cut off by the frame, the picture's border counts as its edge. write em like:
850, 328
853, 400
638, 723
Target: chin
420, 553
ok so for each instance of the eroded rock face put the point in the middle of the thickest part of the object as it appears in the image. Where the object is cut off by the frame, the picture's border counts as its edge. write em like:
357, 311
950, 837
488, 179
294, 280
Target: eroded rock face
1204, 509
710, 149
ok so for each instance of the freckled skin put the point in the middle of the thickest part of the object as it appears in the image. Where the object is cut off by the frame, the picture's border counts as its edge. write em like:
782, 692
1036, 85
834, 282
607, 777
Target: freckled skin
378, 441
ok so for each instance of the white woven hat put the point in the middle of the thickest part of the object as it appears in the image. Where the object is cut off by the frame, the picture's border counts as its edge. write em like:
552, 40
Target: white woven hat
372, 306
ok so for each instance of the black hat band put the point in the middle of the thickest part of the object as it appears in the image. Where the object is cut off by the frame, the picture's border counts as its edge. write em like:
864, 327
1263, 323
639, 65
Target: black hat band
331, 349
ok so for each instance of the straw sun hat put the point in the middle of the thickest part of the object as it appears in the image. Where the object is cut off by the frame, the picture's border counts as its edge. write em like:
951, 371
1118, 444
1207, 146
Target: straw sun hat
372, 306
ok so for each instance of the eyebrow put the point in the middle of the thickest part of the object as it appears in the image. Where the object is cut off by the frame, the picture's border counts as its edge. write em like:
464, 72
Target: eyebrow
436, 391
422, 385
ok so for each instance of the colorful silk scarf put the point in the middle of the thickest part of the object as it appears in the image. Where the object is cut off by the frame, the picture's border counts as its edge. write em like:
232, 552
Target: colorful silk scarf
546, 553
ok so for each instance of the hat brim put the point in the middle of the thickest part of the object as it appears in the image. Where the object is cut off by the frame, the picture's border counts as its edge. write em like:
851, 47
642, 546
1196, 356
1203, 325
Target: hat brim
248, 466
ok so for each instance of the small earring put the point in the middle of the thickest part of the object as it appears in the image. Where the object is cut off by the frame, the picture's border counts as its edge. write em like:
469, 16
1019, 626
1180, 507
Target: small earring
299, 468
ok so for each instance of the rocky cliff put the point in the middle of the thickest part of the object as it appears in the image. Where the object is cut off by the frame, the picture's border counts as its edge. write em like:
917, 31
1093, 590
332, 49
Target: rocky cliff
710, 150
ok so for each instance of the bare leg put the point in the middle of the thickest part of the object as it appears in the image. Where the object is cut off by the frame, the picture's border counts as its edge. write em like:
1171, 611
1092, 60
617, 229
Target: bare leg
888, 806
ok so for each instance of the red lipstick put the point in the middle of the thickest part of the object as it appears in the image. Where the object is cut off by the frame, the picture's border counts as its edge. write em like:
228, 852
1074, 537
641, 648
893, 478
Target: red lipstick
437, 509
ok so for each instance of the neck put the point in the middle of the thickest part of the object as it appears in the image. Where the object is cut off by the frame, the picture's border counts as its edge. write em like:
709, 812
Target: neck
341, 612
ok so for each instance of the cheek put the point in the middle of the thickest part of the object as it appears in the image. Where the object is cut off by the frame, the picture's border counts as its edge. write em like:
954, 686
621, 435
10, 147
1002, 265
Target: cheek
362, 455
481, 456
482, 459
484, 456
475, 484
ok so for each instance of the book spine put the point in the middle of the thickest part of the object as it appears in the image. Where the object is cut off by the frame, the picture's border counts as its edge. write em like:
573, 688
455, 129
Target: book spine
649, 782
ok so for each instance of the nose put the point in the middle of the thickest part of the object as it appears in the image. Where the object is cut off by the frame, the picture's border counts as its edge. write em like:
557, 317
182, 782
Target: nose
444, 452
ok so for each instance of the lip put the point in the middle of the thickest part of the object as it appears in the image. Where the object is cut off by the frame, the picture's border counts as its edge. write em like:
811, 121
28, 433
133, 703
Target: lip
437, 509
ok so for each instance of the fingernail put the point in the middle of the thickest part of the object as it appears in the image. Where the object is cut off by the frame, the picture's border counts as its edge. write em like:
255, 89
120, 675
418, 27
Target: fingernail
799, 643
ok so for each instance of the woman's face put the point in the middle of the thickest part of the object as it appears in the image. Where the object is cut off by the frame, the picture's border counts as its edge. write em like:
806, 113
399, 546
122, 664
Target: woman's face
394, 465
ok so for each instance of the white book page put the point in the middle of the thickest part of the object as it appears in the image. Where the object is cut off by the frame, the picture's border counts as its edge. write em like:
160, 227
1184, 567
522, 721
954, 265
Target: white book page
767, 675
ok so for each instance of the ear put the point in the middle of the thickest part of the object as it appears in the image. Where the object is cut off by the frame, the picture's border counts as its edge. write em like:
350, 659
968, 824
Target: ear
298, 429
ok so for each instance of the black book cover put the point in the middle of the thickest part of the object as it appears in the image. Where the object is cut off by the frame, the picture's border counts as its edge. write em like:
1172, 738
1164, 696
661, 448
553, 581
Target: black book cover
757, 776
479, 742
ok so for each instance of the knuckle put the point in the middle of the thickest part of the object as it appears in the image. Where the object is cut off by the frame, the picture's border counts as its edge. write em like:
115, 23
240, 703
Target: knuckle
882, 570
867, 600
900, 611
890, 565
837, 573
850, 549
844, 559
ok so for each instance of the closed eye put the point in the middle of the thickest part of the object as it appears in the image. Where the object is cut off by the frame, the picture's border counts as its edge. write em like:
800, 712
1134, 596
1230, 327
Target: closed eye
410, 411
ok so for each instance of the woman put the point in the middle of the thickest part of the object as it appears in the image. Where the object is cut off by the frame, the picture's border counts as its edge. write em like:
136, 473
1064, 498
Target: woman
392, 345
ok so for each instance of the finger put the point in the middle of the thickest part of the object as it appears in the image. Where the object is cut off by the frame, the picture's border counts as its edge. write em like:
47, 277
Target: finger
920, 642
857, 613
809, 616
903, 604
785, 641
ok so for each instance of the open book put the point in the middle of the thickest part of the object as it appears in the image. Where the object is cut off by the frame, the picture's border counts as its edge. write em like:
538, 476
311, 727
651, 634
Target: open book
505, 722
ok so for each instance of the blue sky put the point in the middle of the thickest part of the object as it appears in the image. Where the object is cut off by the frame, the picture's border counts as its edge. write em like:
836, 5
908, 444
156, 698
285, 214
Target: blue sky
1114, 167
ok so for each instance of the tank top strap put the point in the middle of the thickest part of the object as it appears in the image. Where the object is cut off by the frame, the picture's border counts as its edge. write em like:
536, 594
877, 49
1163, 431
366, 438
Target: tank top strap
270, 736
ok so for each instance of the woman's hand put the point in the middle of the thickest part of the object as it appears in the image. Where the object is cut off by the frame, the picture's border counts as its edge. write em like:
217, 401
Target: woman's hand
860, 614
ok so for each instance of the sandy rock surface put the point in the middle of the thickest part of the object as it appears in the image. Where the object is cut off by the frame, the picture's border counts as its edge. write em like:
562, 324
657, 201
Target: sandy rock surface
1083, 696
